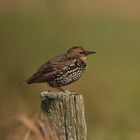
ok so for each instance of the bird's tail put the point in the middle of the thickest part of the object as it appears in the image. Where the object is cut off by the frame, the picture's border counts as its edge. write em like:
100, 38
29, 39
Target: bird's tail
23, 83
29, 80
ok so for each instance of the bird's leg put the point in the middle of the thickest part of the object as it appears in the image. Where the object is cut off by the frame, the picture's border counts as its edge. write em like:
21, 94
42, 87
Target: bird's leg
61, 89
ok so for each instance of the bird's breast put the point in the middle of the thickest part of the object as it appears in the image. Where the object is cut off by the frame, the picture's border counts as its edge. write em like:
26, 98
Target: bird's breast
68, 75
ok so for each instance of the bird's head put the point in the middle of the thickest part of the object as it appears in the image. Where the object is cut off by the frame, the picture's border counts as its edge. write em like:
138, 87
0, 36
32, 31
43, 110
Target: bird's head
78, 52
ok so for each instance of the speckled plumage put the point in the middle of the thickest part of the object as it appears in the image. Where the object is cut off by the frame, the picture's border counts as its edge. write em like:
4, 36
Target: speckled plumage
63, 69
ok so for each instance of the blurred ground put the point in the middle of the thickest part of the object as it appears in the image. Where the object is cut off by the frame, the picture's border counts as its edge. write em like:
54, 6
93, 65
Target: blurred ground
31, 32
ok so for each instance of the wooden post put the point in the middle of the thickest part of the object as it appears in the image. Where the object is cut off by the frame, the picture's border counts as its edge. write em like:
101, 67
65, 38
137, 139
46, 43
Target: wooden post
63, 116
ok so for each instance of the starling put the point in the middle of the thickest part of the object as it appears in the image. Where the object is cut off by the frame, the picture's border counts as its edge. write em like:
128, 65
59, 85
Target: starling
63, 69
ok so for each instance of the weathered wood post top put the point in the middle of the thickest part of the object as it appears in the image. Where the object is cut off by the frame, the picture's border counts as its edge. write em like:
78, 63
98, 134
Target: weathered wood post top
66, 114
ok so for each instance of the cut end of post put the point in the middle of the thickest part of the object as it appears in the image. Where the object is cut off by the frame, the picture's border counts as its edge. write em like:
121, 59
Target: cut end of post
47, 97
55, 94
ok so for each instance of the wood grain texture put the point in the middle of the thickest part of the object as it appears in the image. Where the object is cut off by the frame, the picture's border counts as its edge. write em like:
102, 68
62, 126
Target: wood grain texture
63, 114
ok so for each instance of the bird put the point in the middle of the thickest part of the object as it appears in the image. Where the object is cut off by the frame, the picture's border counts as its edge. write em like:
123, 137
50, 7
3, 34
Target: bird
63, 69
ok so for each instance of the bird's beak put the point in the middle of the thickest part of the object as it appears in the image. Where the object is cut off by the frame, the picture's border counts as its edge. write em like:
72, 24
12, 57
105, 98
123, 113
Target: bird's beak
90, 52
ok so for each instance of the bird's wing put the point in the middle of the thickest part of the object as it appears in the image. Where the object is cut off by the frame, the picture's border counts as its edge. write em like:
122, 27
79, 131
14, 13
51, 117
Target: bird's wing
44, 73
50, 69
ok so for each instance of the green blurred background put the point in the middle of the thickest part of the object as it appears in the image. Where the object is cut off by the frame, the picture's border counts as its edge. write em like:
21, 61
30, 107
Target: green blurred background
33, 31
